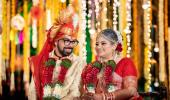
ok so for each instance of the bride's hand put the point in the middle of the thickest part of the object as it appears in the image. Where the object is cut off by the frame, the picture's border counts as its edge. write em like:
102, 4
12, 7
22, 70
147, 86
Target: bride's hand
98, 96
76, 98
91, 96
87, 96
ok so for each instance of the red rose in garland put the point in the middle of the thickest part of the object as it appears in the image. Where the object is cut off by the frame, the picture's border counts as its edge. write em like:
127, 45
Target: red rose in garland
47, 71
89, 76
65, 65
109, 68
50, 94
84, 73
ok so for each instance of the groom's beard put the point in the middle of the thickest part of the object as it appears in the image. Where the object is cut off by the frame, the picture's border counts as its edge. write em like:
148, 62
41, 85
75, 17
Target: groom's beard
66, 51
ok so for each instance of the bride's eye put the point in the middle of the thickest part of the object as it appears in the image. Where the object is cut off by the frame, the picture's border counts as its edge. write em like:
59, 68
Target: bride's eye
103, 44
97, 44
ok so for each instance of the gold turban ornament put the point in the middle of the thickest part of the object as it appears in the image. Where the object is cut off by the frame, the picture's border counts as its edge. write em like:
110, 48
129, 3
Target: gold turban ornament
65, 24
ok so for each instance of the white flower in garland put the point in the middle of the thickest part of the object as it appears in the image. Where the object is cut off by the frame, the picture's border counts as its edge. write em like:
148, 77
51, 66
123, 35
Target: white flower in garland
57, 91
54, 91
111, 88
91, 89
47, 91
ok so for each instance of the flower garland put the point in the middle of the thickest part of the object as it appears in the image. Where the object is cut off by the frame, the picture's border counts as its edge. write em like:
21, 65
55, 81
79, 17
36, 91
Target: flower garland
47, 82
65, 65
110, 66
89, 76
49, 67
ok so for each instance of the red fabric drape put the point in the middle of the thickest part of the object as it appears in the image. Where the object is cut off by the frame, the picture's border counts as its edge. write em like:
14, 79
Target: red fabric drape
37, 63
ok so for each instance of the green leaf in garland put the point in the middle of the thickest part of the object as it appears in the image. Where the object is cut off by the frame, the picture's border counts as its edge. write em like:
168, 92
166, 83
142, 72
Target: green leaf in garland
66, 63
50, 62
47, 98
50, 98
90, 85
54, 98
111, 63
59, 83
97, 64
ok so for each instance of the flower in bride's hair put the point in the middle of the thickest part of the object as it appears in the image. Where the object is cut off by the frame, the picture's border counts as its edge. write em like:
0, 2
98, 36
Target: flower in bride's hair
119, 47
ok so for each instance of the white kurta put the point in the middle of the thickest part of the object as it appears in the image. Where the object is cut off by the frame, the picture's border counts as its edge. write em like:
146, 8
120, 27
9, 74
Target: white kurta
72, 80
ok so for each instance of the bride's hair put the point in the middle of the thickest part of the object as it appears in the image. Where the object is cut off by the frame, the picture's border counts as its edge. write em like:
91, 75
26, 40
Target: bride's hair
109, 34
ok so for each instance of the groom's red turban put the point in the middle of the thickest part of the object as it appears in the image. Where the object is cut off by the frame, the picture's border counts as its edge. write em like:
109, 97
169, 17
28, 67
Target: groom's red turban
64, 24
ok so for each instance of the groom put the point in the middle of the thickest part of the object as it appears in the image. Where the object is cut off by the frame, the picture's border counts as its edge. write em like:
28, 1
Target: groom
56, 70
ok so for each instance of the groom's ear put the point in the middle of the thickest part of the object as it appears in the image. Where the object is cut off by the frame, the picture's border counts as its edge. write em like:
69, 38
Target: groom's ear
55, 42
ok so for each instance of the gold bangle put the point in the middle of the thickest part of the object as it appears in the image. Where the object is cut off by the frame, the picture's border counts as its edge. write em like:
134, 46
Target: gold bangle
113, 96
110, 96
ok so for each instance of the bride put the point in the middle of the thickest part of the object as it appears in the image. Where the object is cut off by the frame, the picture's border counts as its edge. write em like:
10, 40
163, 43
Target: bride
110, 77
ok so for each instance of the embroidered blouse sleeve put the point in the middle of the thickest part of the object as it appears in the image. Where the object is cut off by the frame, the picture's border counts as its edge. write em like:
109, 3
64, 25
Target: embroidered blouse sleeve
129, 74
129, 68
